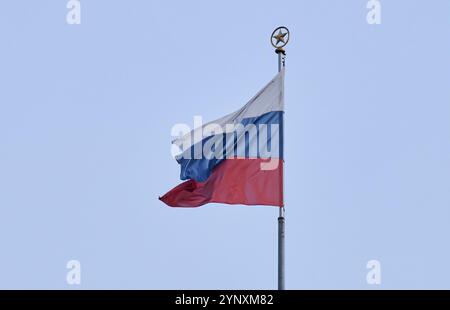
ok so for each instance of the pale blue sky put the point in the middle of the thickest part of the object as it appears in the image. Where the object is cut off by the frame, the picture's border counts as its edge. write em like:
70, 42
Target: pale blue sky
85, 119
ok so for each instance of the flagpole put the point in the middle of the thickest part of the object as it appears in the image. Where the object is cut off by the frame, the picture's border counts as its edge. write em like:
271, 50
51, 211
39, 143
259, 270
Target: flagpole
281, 220
283, 38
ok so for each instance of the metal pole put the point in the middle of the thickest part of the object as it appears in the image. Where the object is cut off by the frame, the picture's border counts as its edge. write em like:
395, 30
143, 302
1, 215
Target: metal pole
281, 221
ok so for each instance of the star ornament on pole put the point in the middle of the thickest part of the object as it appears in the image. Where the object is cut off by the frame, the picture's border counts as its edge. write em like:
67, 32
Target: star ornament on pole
280, 38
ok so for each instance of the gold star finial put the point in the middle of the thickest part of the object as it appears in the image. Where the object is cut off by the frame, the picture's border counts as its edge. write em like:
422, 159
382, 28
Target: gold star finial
280, 37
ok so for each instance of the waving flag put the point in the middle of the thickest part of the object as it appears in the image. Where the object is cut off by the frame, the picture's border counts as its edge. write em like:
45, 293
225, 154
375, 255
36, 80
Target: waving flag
237, 159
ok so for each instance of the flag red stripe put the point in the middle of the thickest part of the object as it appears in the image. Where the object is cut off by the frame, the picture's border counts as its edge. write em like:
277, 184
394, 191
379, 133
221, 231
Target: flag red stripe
234, 181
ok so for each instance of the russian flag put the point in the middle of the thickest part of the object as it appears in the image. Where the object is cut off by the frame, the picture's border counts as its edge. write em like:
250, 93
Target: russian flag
237, 159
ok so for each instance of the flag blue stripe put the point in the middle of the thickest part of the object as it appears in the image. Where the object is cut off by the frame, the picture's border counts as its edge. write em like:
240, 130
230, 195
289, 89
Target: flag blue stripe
200, 169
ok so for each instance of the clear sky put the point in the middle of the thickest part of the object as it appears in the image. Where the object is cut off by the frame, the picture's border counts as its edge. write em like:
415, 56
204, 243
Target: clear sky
85, 118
